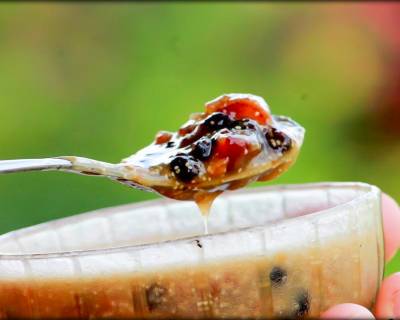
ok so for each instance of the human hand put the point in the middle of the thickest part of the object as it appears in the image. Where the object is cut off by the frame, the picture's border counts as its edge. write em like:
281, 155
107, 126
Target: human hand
388, 300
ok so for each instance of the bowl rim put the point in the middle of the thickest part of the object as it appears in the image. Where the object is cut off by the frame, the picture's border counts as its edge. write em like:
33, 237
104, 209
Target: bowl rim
369, 191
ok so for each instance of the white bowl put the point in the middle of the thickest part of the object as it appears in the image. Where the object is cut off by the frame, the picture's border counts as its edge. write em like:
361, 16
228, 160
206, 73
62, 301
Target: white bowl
276, 251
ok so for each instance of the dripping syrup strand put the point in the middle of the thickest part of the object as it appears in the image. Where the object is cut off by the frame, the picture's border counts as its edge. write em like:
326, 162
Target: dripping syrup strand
204, 201
205, 222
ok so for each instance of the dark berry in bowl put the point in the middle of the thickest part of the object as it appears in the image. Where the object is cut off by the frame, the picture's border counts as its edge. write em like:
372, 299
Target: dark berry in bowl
278, 276
155, 296
302, 304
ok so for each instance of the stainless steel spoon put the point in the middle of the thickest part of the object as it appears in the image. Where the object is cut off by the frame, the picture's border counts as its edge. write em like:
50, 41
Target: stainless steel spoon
150, 168
145, 177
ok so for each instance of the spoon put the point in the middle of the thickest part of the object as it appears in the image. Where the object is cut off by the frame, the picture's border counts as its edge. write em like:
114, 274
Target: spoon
236, 141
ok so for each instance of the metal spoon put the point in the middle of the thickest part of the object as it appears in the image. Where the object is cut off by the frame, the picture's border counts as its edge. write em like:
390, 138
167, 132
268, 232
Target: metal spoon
85, 166
141, 169
153, 168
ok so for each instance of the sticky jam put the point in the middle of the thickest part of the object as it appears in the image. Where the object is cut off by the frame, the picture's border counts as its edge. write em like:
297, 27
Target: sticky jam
235, 141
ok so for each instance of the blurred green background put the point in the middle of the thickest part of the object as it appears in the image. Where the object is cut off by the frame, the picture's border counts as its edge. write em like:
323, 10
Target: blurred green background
99, 80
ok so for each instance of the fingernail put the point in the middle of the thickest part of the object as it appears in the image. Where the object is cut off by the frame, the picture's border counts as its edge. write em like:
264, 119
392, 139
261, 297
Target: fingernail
347, 311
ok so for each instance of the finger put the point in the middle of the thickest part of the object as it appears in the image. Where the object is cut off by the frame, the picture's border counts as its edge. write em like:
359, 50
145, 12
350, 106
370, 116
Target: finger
388, 300
391, 226
347, 311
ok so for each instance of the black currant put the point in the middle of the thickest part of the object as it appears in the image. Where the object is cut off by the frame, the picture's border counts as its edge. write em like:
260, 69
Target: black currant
202, 149
277, 276
217, 121
185, 168
244, 124
277, 140
155, 296
170, 144
302, 304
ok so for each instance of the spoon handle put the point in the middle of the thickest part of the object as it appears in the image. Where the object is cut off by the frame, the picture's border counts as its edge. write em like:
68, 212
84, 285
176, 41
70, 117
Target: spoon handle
20, 165
137, 176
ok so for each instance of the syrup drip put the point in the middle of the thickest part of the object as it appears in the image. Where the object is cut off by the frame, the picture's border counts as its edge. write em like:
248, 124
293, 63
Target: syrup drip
204, 201
205, 222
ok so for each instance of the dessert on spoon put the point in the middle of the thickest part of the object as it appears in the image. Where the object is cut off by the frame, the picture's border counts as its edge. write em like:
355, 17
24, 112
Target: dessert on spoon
235, 141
